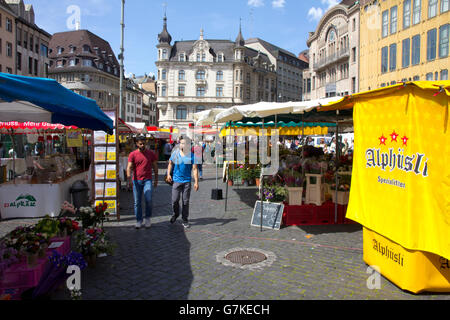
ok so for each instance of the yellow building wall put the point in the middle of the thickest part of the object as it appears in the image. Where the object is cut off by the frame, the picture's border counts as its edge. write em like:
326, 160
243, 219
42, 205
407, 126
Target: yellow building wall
371, 43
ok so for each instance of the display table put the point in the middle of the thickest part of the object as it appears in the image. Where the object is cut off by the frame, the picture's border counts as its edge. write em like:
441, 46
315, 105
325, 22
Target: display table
36, 200
309, 214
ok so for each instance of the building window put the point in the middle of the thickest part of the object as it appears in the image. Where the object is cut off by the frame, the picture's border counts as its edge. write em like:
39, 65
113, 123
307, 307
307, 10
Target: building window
163, 91
201, 91
9, 25
9, 49
199, 109
181, 57
164, 74
385, 23
85, 78
392, 57
429, 76
44, 50
36, 67
164, 54
406, 14
405, 52
219, 76
444, 5
416, 11
444, 74
393, 19
415, 52
431, 44
86, 49
72, 62
443, 40
220, 58
432, 8
203, 57
19, 61
200, 75
181, 90
416, 78
181, 75
219, 91
384, 60
87, 63
181, 113
354, 54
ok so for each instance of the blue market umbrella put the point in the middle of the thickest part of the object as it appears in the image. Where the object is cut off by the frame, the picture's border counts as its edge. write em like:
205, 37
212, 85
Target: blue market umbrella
45, 100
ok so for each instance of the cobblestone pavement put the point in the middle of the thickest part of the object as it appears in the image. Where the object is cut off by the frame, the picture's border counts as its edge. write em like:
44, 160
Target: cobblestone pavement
167, 262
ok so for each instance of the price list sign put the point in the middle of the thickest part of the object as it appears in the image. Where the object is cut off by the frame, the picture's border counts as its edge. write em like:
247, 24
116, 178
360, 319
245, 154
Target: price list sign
105, 158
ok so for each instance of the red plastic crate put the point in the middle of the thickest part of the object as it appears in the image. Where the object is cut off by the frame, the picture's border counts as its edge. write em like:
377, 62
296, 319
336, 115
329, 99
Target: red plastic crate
300, 215
22, 276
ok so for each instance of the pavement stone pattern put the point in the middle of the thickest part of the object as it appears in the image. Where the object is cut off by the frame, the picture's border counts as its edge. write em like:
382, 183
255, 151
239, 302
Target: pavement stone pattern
168, 262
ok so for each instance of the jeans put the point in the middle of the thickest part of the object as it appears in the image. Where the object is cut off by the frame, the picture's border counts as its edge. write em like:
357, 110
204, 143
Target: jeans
200, 170
182, 190
139, 187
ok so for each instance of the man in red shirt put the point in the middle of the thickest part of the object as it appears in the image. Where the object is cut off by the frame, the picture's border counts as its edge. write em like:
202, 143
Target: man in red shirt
141, 162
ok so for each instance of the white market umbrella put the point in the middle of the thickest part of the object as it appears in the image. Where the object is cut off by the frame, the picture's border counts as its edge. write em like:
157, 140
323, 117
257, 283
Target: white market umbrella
204, 118
23, 111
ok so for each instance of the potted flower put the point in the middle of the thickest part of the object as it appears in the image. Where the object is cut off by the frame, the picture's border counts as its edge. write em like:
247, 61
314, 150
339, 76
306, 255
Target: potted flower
8, 257
92, 242
257, 175
294, 184
343, 190
67, 226
93, 216
47, 227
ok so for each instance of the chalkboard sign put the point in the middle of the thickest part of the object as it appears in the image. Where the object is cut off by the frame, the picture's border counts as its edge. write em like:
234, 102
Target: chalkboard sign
272, 214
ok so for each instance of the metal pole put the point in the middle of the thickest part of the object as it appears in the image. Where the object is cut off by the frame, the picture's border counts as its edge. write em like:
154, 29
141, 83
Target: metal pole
337, 167
217, 165
261, 183
122, 23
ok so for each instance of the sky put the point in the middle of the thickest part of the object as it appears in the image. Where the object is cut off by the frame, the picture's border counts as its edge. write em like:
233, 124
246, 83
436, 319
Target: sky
284, 23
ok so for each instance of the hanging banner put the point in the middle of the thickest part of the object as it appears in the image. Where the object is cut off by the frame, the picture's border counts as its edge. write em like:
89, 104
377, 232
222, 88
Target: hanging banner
401, 173
74, 138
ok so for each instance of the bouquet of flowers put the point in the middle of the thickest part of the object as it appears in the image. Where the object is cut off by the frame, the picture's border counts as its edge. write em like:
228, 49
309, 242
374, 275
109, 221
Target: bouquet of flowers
93, 242
274, 193
67, 208
294, 180
8, 257
344, 183
67, 226
93, 216
55, 273
48, 227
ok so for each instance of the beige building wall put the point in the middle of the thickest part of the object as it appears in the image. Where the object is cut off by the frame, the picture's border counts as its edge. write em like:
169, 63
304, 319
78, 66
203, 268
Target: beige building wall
372, 42
7, 40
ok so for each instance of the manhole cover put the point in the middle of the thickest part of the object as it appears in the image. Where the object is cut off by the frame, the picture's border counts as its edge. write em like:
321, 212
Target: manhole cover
246, 257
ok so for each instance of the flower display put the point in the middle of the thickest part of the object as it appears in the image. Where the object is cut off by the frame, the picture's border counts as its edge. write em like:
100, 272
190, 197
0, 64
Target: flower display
93, 241
67, 225
93, 216
8, 257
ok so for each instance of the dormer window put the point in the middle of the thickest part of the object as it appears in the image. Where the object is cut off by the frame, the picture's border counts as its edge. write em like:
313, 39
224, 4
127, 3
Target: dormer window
220, 57
72, 49
181, 57
203, 57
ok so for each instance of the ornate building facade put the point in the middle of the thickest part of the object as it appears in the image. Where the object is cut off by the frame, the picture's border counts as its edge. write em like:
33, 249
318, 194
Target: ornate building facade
202, 74
334, 53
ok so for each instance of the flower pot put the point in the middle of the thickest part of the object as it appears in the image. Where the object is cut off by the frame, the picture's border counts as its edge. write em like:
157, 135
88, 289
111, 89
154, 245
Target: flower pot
230, 183
91, 260
257, 182
295, 196
32, 259
342, 197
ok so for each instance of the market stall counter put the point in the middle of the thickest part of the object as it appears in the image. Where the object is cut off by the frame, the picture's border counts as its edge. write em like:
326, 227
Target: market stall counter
43, 191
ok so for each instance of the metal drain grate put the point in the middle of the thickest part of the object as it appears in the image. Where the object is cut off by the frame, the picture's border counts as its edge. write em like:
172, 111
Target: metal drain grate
246, 257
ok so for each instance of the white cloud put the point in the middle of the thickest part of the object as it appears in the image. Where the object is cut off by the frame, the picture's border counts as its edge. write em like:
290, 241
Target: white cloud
256, 3
330, 3
278, 3
315, 14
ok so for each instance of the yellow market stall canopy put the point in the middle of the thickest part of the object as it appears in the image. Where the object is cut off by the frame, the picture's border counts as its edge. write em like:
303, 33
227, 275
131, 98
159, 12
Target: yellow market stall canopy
401, 181
284, 129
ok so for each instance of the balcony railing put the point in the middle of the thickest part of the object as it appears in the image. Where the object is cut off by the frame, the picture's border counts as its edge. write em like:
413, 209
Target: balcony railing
332, 58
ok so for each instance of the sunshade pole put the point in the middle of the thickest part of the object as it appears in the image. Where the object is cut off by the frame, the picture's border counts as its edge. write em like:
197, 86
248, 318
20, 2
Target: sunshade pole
261, 182
13, 155
106, 161
337, 167
217, 165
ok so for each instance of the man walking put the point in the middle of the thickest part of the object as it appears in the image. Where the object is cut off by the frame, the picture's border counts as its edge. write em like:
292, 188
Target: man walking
182, 162
141, 162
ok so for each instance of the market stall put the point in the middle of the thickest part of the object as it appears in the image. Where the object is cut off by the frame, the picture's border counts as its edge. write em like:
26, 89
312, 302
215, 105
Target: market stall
42, 191
401, 181
267, 117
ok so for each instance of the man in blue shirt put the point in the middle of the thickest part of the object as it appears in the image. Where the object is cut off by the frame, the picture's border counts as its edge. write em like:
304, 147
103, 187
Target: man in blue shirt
179, 172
